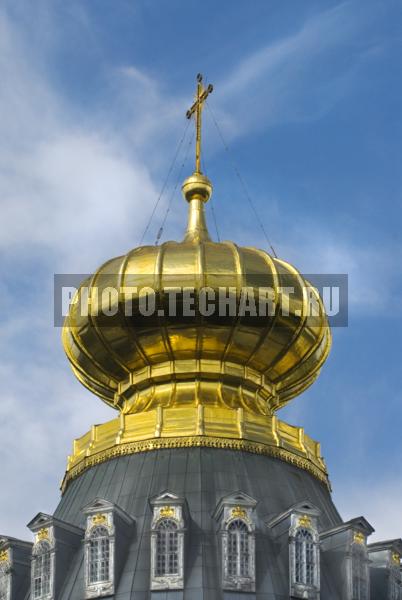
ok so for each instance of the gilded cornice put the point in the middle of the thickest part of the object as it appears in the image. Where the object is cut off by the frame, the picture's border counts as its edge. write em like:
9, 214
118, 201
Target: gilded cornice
185, 427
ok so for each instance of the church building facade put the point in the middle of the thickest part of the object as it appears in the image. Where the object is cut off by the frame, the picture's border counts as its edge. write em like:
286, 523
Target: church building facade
197, 490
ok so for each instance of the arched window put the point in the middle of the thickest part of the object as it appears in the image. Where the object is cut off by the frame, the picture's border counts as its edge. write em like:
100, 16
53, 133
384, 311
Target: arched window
167, 541
4, 580
394, 585
236, 529
238, 549
41, 570
359, 573
167, 548
99, 556
305, 561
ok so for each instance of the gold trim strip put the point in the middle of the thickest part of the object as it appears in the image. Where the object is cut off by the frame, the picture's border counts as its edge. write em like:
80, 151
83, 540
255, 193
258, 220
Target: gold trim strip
197, 442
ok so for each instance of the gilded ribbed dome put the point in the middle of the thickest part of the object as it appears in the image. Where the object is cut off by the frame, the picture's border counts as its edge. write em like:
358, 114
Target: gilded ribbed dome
132, 361
197, 377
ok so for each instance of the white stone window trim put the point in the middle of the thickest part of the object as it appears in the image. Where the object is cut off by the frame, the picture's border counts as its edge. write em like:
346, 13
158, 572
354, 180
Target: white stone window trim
99, 555
99, 589
173, 581
309, 591
5, 579
238, 548
394, 586
238, 581
358, 560
36, 553
167, 548
305, 562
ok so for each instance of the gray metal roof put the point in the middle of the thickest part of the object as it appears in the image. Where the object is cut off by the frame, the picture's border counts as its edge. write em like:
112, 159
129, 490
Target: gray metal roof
202, 476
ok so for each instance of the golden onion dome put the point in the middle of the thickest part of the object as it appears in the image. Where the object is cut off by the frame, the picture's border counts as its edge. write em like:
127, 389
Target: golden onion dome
128, 359
198, 377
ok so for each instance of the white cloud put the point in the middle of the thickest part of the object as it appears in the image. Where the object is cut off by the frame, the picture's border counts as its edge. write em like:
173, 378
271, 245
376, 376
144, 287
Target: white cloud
72, 164
289, 75
65, 188
74, 194
42, 410
377, 500
153, 115
70, 197
313, 247
373, 272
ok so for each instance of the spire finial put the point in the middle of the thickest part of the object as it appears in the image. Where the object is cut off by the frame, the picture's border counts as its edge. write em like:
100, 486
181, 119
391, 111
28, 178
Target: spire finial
200, 97
197, 188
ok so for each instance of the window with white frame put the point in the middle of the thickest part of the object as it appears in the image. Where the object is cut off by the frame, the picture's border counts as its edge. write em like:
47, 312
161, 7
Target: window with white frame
167, 548
42, 570
107, 537
394, 584
4, 580
236, 528
99, 556
238, 549
304, 557
359, 572
167, 542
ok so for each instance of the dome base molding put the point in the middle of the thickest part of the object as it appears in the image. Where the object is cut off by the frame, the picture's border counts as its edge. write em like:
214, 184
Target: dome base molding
195, 426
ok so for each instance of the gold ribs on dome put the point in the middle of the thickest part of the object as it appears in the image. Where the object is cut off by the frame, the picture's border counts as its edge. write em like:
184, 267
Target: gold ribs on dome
185, 379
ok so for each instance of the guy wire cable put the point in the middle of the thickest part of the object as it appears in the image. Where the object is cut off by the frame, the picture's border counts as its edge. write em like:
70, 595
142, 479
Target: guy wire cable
164, 184
241, 180
159, 235
211, 204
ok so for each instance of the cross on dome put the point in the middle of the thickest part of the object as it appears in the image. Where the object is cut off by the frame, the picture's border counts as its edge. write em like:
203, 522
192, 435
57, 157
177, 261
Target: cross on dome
196, 109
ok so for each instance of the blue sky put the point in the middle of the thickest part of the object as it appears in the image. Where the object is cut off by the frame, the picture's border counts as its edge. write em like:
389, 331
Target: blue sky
308, 94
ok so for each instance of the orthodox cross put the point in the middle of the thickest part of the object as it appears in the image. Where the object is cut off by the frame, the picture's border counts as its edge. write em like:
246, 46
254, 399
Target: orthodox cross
200, 98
